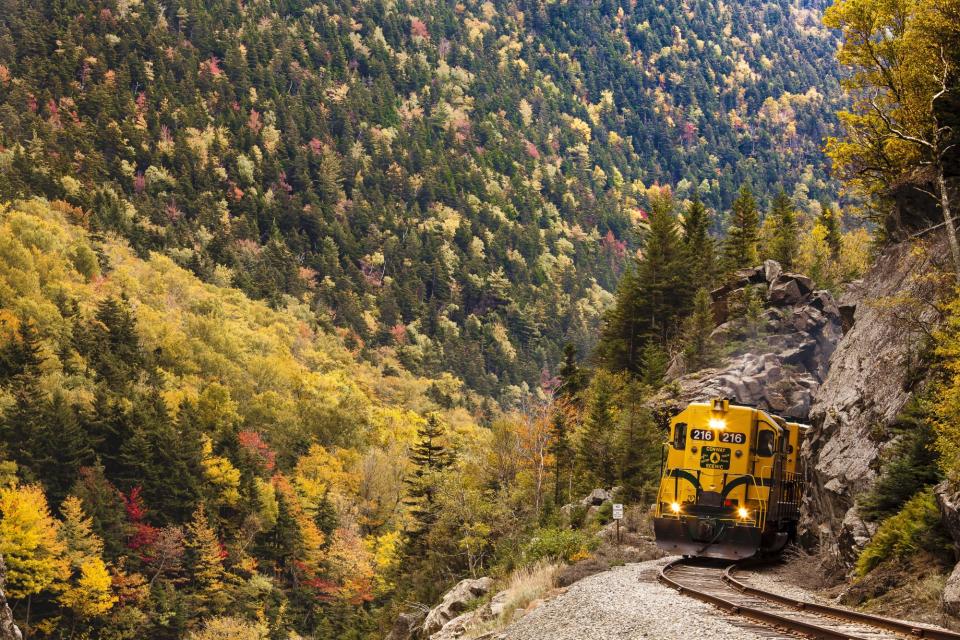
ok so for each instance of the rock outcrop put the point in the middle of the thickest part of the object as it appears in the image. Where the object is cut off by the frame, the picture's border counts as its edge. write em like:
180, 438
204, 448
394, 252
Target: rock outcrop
8, 630
455, 602
872, 375
780, 368
407, 626
948, 500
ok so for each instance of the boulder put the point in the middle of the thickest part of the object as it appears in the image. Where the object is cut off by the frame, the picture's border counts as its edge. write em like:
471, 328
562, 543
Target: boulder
406, 626
457, 627
951, 593
784, 291
455, 602
498, 603
948, 499
8, 630
596, 498
771, 270
804, 283
752, 275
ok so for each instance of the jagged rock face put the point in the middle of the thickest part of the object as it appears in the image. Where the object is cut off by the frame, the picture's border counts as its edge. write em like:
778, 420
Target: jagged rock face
8, 630
454, 603
870, 379
948, 500
785, 365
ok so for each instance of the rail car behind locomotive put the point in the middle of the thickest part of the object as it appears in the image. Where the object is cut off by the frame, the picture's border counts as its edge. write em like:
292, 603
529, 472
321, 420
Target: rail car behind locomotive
731, 484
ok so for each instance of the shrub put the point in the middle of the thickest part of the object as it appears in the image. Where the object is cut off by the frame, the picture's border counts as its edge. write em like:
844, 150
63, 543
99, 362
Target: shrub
559, 544
909, 465
916, 527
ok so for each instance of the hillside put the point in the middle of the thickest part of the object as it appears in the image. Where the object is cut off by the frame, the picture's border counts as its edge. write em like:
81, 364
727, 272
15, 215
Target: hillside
460, 180
190, 420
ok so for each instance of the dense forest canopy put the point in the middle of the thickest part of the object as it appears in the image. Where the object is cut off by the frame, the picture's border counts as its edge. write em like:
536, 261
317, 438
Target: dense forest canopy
309, 309
462, 180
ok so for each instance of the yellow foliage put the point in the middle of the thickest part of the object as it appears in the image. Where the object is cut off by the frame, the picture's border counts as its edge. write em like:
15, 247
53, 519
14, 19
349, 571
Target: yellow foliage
221, 474
28, 541
227, 628
90, 595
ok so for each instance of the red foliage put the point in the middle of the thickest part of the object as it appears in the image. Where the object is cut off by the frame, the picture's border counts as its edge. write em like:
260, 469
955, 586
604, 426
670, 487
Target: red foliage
688, 132
139, 182
532, 151
418, 29
252, 443
399, 333
212, 67
144, 534
253, 122
315, 146
133, 501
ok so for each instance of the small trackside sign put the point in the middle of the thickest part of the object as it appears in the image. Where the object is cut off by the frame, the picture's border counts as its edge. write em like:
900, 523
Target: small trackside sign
617, 511
714, 458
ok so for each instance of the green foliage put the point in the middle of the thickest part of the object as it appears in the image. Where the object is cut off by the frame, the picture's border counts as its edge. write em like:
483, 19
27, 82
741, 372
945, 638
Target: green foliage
699, 350
566, 545
908, 466
596, 446
743, 232
652, 297
785, 244
915, 527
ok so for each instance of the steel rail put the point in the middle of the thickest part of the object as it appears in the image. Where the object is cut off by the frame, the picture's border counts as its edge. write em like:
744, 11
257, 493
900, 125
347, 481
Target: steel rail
899, 626
759, 615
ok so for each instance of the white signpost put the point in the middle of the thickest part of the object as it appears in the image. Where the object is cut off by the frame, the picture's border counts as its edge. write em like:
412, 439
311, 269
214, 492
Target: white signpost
618, 516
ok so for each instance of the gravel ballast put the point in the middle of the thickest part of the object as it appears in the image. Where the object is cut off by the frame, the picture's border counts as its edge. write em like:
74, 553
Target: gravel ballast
625, 603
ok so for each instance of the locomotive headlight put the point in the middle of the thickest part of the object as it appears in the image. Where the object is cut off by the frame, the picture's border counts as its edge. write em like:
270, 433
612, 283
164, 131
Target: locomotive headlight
718, 423
743, 513
675, 507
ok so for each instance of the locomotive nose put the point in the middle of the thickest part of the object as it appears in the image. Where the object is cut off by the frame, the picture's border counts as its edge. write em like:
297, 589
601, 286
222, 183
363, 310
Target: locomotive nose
706, 529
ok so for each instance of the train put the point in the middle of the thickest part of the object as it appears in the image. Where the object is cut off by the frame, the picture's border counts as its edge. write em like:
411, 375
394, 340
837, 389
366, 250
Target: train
731, 482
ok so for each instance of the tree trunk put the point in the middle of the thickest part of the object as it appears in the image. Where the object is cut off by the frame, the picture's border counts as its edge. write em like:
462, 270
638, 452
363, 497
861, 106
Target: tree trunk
948, 221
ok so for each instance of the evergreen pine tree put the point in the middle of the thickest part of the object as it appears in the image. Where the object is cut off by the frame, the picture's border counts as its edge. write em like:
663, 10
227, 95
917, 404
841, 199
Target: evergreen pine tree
430, 457
638, 447
785, 243
829, 218
21, 353
572, 382
26, 418
654, 362
698, 243
740, 247
205, 563
61, 447
595, 451
651, 297
699, 350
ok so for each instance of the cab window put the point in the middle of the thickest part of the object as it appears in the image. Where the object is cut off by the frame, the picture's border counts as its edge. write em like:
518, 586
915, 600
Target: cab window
765, 443
680, 435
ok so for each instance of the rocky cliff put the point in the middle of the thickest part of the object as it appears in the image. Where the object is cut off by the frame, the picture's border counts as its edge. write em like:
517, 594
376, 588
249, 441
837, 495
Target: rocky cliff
8, 630
874, 371
776, 361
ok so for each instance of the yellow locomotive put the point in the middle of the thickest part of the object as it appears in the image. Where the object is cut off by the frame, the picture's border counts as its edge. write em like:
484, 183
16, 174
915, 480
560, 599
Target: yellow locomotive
731, 482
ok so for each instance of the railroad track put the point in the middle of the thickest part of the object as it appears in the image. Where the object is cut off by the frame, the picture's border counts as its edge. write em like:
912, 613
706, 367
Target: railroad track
714, 583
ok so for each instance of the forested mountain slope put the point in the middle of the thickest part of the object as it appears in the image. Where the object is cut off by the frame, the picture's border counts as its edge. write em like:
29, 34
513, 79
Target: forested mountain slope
459, 180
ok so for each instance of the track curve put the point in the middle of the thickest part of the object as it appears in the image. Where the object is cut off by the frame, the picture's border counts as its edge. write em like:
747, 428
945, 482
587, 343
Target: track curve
714, 583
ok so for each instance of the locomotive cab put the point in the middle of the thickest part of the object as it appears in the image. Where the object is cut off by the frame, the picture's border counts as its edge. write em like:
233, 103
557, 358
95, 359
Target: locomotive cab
730, 486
